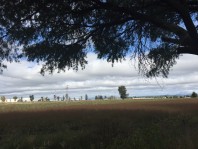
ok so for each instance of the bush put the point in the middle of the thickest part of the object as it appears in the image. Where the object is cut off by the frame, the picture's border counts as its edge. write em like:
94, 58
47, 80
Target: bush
194, 95
3, 99
20, 100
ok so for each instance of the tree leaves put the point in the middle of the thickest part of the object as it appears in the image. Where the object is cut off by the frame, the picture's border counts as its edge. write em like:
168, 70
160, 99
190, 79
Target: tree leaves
57, 56
162, 59
58, 33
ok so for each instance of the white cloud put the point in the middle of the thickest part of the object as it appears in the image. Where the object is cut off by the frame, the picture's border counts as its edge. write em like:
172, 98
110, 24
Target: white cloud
99, 77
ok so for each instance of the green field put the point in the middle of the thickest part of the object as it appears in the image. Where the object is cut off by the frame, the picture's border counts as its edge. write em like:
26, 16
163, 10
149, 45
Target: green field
121, 124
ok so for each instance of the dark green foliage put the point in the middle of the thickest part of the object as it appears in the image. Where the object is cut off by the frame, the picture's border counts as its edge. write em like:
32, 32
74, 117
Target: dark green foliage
122, 91
31, 97
3, 99
60, 34
194, 95
57, 56
15, 98
86, 97
58, 98
99, 97
161, 60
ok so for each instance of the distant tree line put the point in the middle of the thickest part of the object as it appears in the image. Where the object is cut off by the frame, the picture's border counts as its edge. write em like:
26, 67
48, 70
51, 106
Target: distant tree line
44, 99
121, 89
99, 97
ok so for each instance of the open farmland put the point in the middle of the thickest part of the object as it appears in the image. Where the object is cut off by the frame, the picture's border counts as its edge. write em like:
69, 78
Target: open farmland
122, 124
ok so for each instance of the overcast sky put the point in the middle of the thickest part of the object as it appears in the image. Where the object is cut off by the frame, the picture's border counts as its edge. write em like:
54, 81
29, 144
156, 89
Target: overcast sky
98, 78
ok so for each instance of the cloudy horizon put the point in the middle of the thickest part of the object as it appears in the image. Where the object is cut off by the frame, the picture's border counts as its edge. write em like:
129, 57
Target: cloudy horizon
98, 78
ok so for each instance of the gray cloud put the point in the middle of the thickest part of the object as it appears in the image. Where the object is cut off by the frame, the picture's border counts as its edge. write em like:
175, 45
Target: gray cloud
99, 77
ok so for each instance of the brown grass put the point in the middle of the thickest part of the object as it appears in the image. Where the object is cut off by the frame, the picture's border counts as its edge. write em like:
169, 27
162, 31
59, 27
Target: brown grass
105, 124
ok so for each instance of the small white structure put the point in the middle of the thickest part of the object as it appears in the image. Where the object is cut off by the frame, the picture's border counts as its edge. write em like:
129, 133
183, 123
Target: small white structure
26, 99
11, 100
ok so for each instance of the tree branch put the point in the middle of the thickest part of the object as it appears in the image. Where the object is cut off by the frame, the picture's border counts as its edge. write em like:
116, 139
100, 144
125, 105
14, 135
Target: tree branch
179, 31
184, 12
187, 50
171, 40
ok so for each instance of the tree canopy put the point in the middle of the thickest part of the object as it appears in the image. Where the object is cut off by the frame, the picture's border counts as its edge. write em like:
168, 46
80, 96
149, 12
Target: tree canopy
61, 33
193, 95
122, 91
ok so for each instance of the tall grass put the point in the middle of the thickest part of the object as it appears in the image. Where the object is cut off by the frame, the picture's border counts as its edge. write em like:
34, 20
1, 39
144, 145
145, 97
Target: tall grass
100, 125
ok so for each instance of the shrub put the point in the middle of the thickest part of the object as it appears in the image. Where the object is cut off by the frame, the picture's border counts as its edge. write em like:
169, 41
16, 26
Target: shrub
3, 99
194, 95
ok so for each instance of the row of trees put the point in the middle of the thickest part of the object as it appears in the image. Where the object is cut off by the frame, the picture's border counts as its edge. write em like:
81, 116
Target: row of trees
58, 98
31, 97
66, 97
100, 97
121, 89
3, 98
123, 93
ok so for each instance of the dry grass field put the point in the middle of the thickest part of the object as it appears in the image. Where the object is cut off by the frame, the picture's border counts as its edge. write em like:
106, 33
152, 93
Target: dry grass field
119, 124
